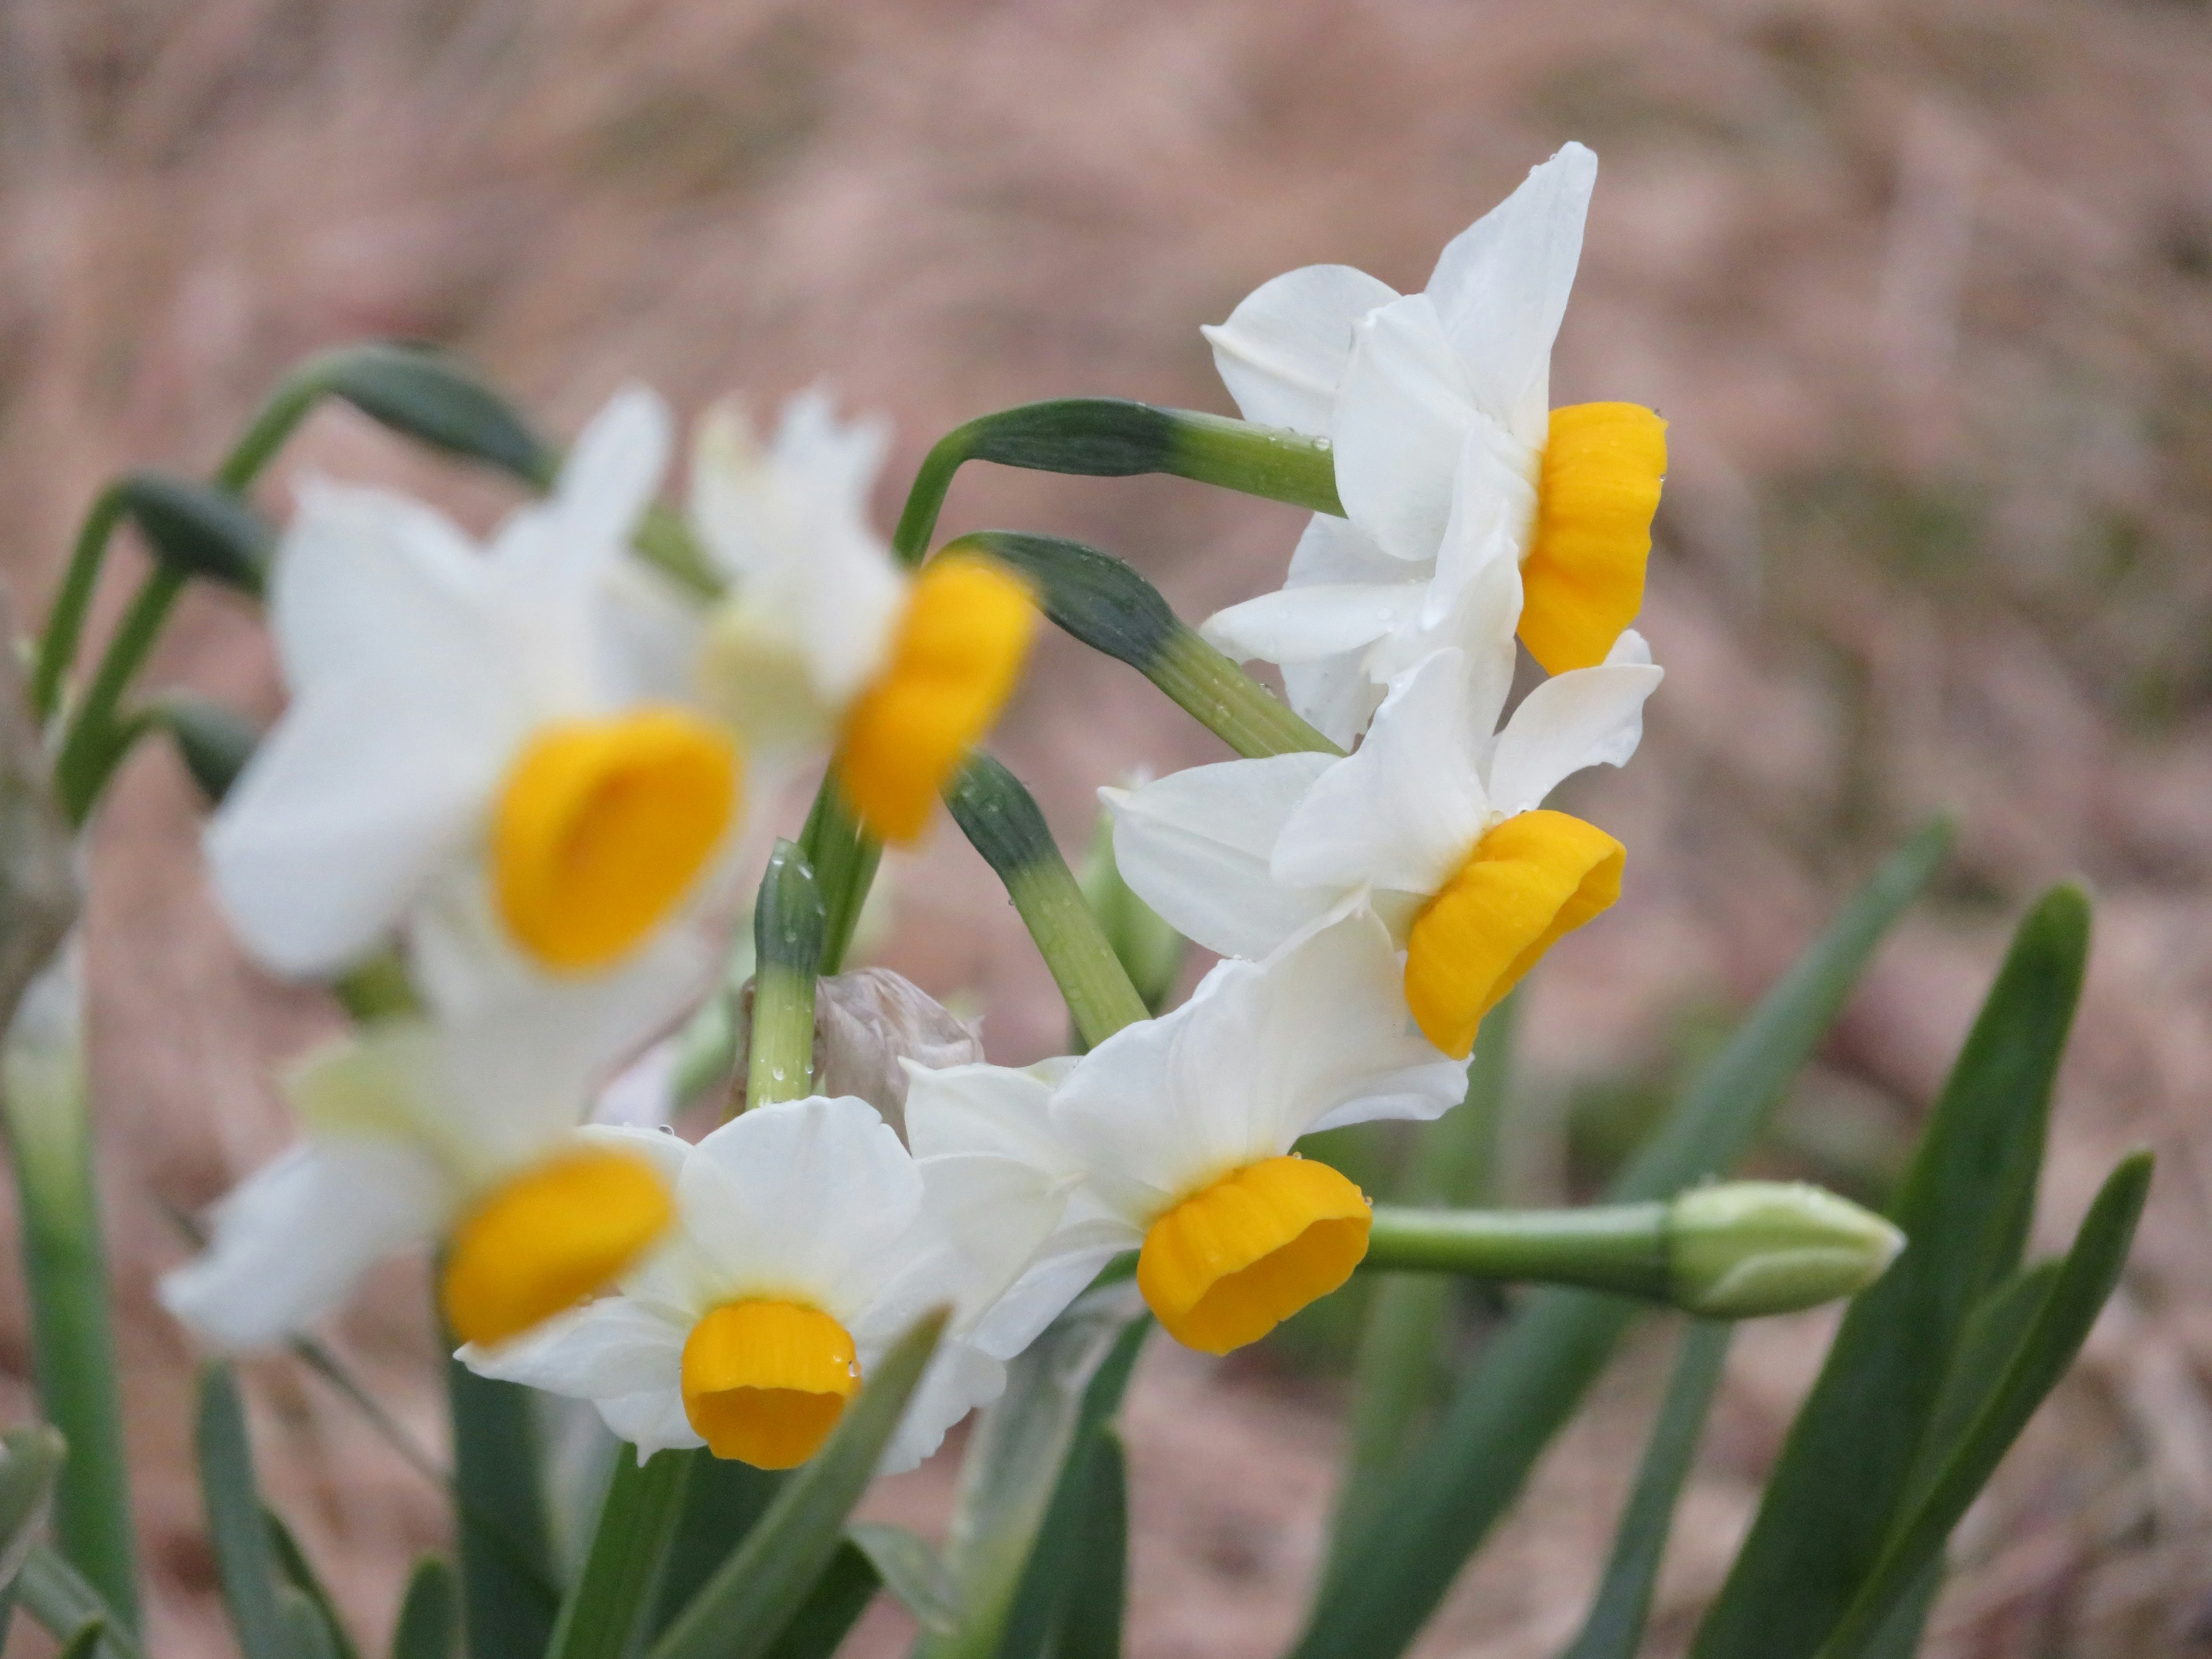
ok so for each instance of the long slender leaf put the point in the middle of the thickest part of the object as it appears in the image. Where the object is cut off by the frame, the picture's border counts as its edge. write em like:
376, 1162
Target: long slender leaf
1015, 1455
723, 1501
1041, 1598
509, 1598
755, 1594
2085, 1281
64, 1601
429, 1624
1507, 1409
1614, 1628
613, 1596
307, 1634
300, 1573
30, 1461
840, 1595
1964, 1206
85, 1640
911, 1570
245, 1562
1097, 1589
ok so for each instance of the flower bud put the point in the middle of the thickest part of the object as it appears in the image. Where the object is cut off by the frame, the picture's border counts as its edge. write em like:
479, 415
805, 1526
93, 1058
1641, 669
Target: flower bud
1747, 1247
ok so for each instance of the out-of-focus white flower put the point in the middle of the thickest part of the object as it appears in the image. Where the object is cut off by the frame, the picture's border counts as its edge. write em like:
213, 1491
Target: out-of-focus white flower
1437, 824
489, 744
825, 642
1173, 1138
1448, 455
460, 1130
808, 1240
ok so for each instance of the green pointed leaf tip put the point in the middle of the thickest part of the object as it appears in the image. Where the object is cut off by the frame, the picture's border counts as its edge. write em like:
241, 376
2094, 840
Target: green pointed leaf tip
1512, 1403
437, 401
2087, 1278
199, 529
1964, 1204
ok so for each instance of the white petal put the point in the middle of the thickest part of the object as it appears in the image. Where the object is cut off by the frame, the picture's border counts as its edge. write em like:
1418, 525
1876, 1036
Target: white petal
1061, 1273
805, 1197
1306, 624
1585, 717
652, 1421
1493, 511
1399, 422
959, 1379
1630, 650
1259, 1056
292, 1239
610, 474
1283, 351
1196, 846
602, 1350
985, 1108
1501, 287
1405, 810
340, 822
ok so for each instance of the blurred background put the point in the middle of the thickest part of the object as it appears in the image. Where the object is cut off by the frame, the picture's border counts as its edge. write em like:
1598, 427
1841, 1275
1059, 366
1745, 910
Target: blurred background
1924, 290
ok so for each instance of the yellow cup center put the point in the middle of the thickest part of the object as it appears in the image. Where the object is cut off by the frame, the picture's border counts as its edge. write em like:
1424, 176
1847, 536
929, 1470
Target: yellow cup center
548, 1238
764, 1381
954, 661
601, 827
1582, 581
1234, 1259
1532, 879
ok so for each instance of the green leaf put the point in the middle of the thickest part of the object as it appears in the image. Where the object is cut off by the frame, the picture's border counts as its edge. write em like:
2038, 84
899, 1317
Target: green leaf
912, 1571
839, 1596
1096, 1591
1964, 1205
723, 1501
1614, 1628
2076, 1296
30, 1463
508, 1597
214, 742
300, 1573
1060, 1387
1529, 1382
64, 1601
85, 1640
612, 1597
756, 1594
437, 400
429, 1624
245, 1562
307, 1634
200, 529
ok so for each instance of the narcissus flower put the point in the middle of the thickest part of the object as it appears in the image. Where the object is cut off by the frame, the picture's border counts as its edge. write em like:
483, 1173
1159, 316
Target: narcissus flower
808, 1240
1437, 823
826, 640
1174, 1138
486, 742
1448, 455
462, 1131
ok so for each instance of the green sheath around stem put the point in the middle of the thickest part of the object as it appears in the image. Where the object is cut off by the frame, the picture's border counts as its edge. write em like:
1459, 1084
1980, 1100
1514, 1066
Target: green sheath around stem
787, 929
1000, 819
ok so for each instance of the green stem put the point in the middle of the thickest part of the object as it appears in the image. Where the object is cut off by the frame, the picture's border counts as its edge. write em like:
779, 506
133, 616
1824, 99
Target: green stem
65, 1267
843, 857
605, 1614
788, 936
1621, 1248
1113, 438
1396, 1377
1002, 821
73, 605
1229, 703
96, 742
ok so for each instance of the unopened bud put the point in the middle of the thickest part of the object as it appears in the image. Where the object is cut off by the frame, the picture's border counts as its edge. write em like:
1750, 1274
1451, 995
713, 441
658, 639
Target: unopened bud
1150, 951
1747, 1247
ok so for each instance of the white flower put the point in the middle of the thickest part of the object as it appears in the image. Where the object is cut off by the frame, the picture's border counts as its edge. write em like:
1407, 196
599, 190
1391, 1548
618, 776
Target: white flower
1434, 823
463, 1130
1173, 1138
826, 641
1448, 456
808, 1240
486, 745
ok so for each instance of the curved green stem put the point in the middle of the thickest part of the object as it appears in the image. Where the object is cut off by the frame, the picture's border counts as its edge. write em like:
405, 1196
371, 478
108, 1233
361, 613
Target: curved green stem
787, 929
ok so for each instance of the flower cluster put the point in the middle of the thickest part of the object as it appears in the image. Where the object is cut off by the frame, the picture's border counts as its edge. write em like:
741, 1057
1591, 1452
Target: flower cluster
522, 778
